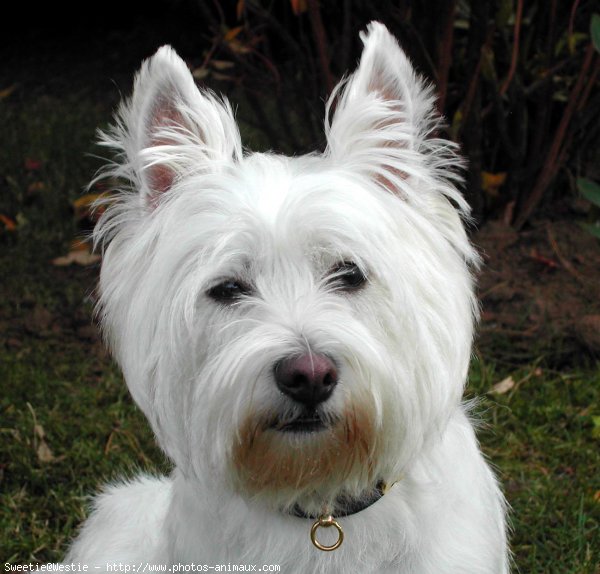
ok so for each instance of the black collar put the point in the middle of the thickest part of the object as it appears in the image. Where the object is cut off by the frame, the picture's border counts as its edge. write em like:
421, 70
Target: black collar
345, 505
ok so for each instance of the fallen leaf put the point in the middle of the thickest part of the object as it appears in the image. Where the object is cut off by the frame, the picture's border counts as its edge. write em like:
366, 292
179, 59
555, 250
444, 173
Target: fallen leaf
298, 6
492, 182
39, 432
232, 33
201, 73
44, 453
6, 92
36, 187
42, 449
80, 257
79, 245
238, 48
32, 164
9, 224
503, 386
86, 205
222, 64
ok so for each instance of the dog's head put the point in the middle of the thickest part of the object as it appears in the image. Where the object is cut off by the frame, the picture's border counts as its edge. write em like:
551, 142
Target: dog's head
298, 327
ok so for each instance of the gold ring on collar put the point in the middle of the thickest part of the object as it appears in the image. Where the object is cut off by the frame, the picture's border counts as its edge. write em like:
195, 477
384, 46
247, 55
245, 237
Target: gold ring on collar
326, 522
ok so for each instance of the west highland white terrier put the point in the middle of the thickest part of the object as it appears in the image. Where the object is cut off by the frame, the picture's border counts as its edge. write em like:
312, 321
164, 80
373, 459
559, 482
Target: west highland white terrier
298, 333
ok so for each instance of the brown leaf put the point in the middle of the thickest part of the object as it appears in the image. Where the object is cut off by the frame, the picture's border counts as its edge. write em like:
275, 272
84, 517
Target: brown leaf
84, 206
232, 33
42, 450
35, 187
238, 48
492, 182
298, 6
80, 257
44, 453
222, 64
6, 92
38, 431
32, 164
201, 73
503, 386
79, 245
9, 224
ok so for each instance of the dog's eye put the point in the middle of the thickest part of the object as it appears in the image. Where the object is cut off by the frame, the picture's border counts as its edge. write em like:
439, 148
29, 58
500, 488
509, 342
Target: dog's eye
347, 276
229, 291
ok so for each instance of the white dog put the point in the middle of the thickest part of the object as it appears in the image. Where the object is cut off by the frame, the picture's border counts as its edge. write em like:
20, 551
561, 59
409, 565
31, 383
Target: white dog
298, 333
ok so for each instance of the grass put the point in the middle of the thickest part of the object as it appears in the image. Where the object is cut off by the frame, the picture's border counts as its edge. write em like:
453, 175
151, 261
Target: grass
543, 438
67, 424
82, 414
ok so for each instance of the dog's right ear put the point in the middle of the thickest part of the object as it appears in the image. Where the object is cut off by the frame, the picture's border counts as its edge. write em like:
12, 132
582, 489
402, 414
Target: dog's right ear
170, 129
384, 115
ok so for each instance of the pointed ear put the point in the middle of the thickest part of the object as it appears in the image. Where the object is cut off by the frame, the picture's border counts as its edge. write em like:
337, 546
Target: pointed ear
169, 129
384, 112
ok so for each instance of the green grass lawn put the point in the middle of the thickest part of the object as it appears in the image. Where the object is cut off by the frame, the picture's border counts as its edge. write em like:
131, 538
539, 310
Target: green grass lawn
67, 424
543, 438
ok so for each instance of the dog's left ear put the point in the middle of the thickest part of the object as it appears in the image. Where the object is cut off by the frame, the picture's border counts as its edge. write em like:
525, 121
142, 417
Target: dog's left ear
384, 117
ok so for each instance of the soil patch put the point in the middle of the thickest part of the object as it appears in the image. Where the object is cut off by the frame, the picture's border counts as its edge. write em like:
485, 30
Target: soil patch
539, 290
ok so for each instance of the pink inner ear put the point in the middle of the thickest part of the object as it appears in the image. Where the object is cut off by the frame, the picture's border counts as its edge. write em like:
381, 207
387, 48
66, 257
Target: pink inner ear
387, 184
160, 177
380, 84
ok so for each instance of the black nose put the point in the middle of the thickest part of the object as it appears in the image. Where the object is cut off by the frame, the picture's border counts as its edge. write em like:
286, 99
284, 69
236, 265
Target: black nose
308, 379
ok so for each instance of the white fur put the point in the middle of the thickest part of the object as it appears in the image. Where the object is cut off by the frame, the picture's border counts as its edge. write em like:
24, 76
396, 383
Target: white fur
383, 196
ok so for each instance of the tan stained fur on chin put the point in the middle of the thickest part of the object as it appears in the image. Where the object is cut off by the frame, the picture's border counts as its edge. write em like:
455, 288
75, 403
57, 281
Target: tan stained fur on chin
268, 461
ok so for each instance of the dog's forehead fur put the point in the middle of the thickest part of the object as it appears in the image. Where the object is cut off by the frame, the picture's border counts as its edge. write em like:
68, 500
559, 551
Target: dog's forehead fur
271, 207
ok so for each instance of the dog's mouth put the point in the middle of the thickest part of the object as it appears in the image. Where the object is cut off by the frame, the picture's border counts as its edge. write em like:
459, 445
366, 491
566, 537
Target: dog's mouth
307, 422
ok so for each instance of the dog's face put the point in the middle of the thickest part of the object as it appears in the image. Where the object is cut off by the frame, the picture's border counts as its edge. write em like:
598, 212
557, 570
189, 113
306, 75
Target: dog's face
297, 328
